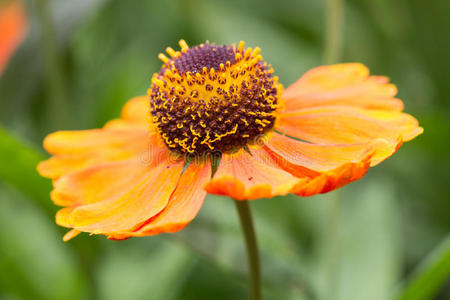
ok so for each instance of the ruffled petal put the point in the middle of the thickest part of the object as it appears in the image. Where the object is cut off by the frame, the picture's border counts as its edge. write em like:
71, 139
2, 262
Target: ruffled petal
243, 176
305, 159
340, 124
183, 205
341, 84
118, 198
324, 168
333, 179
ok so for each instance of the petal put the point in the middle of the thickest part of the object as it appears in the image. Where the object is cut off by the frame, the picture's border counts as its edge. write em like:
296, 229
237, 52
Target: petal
407, 125
71, 234
341, 84
135, 114
130, 137
81, 141
243, 176
325, 167
77, 150
13, 22
183, 205
116, 201
331, 180
99, 182
340, 124
305, 159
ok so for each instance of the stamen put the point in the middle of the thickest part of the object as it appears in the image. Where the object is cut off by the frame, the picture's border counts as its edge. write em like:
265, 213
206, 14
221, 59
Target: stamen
183, 45
163, 58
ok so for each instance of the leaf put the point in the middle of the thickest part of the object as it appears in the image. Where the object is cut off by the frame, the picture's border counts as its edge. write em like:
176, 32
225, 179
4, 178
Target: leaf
18, 163
430, 276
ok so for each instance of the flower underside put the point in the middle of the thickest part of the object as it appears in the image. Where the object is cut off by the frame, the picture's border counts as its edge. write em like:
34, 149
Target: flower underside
213, 98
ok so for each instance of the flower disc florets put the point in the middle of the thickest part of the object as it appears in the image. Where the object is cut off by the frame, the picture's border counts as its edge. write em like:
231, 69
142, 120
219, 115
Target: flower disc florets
213, 98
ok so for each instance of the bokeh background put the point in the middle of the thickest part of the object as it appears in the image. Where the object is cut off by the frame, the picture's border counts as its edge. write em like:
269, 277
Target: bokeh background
384, 237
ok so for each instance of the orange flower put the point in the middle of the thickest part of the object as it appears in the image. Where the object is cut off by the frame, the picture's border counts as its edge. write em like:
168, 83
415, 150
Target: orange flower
149, 171
13, 24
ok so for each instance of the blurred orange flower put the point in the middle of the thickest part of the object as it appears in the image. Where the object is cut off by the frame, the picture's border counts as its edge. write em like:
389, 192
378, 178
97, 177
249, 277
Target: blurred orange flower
13, 25
149, 171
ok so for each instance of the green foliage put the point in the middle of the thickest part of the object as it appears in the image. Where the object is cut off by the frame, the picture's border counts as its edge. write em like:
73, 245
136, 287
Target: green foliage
18, 164
431, 274
364, 242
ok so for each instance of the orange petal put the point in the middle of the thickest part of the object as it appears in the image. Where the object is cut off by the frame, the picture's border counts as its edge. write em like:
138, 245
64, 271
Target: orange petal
62, 216
135, 115
78, 150
333, 179
99, 182
183, 205
340, 124
305, 159
118, 201
80, 141
71, 234
314, 182
243, 176
13, 24
341, 84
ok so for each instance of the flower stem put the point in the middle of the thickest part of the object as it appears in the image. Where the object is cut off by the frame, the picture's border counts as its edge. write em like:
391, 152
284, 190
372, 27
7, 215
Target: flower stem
245, 216
334, 32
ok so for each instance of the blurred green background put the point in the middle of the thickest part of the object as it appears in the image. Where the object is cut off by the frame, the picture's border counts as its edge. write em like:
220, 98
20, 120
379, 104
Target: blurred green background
384, 237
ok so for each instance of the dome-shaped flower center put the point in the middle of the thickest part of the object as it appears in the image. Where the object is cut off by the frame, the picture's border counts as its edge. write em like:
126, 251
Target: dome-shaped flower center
212, 97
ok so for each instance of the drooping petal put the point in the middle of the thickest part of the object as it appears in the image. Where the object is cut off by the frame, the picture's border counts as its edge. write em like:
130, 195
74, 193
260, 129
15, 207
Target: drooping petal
341, 84
183, 205
119, 199
340, 124
243, 176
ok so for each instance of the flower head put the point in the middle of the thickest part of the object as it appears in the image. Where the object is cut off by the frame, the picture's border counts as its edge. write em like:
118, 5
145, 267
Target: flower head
138, 175
209, 98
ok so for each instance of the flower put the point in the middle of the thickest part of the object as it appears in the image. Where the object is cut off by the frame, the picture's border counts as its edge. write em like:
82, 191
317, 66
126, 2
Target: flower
13, 23
149, 171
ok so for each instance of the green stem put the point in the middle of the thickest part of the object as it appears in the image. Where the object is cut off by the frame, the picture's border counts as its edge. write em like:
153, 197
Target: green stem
246, 219
58, 106
334, 32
